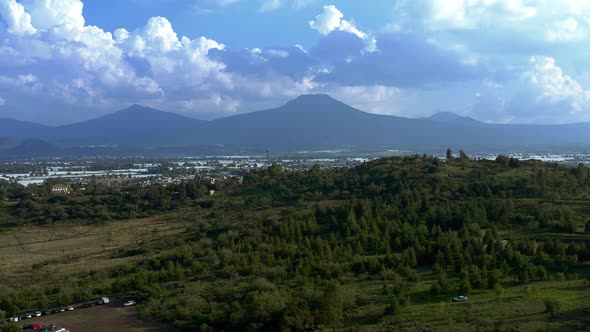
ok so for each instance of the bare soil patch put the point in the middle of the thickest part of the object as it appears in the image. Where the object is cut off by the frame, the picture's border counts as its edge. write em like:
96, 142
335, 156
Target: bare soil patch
112, 317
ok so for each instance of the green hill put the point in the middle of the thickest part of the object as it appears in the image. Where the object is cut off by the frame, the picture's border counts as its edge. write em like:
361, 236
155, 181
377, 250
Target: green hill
384, 246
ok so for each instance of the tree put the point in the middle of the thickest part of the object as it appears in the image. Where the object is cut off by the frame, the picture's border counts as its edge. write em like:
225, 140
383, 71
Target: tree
11, 327
331, 306
435, 289
275, 169
463, 155
43, 302
264, 305
499, 291
65, 296
442, 307
410, 257
503, 160
465, 287
494, 277
551, 307
449, 154
514, 163
394, 308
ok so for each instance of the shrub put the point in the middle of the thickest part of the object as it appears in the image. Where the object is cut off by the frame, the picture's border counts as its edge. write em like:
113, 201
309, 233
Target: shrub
552, 307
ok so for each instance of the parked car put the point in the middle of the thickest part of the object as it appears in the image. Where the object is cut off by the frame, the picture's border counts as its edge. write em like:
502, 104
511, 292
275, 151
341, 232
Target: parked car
62, 309
461, 298
70, 308
129, 303
46, 312
61, 329
36, 326
27, 326
27, 316
14, 319
37, 314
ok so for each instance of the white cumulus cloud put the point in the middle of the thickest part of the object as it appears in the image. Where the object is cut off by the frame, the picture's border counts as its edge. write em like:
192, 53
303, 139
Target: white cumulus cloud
549, 95
567, 30
331, 19
553, 86
47, 14
378, 99
469, 14
17, 20
69, 62
61, 61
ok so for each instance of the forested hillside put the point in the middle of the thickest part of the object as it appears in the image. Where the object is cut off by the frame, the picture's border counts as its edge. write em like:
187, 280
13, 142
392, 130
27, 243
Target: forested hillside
379, 247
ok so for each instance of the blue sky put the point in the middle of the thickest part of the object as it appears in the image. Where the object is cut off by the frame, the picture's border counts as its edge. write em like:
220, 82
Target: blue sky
509, 61
288, 24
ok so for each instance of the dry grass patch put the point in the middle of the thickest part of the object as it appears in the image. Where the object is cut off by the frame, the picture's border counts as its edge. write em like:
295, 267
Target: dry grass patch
56, 251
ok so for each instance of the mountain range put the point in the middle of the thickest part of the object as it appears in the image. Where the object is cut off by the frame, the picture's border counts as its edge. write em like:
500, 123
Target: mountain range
309, 122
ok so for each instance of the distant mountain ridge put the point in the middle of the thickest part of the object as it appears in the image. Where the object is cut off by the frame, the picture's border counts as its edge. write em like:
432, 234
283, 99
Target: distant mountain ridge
448, 117
21, 129
15, 147
132, 121
305, 123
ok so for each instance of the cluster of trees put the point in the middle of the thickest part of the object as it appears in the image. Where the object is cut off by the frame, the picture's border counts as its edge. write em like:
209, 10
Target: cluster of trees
97, 202
283, 251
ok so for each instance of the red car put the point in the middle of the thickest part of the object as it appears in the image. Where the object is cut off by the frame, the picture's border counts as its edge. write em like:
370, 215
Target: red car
36, 326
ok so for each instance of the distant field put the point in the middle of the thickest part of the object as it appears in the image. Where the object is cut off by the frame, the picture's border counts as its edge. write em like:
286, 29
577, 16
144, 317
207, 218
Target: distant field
106, 318
42, 253
543, 235
516, 310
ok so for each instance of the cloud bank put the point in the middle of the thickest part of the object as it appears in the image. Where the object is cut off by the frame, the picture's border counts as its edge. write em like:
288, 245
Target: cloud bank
56, 68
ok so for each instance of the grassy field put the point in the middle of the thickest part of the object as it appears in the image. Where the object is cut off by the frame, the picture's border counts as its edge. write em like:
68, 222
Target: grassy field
518, 308
41, 254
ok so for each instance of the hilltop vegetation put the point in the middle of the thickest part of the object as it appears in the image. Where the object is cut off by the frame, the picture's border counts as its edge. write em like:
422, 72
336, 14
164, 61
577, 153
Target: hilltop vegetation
382, 246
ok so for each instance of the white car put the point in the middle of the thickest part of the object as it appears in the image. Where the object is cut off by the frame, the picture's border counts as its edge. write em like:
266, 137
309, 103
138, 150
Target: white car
460, 298
61, 330
129, 303
27, 316
14, 319
37, 314
70, 308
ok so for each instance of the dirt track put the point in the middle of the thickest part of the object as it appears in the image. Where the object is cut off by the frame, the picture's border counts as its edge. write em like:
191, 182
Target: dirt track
104, 318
